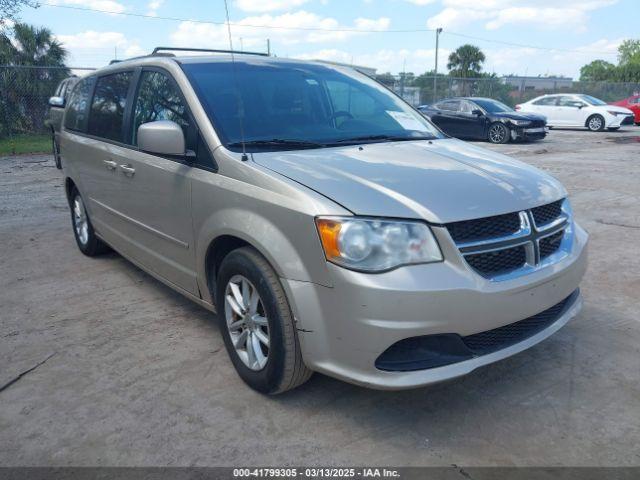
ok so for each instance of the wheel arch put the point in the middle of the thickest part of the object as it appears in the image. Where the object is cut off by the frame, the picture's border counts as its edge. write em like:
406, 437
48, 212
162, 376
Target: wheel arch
69, 185
596, 114
230, 229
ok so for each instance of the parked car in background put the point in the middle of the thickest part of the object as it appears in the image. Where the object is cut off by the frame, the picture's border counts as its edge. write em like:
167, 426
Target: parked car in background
578, 110
53, 120
633, 104
484, 119
331, 226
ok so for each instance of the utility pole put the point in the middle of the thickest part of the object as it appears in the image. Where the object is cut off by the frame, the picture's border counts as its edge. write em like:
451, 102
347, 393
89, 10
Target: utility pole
268, 47
403, 77
435, 75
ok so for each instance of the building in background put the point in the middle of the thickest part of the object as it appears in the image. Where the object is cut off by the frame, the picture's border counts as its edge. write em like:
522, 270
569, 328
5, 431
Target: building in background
538, 83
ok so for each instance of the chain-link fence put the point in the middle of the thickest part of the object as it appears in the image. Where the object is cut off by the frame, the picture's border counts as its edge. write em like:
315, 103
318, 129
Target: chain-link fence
25, 91
509, 90
24, 96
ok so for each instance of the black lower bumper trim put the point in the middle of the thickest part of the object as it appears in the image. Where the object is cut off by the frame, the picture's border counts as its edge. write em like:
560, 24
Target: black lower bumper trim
431, 351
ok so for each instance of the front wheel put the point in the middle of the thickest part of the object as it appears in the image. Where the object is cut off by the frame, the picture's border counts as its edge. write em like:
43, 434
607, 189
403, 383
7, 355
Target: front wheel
498, 133
258, 327
595, 123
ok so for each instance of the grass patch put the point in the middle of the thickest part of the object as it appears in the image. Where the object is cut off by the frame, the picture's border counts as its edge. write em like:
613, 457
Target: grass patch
25, 144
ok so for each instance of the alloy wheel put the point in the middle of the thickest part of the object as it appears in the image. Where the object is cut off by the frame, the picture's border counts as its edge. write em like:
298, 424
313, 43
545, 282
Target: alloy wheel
80, 221
497, 134
246, 322
595, 123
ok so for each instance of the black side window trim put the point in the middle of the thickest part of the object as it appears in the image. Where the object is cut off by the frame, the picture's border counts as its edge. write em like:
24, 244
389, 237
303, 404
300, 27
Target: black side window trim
128, 117
128, 121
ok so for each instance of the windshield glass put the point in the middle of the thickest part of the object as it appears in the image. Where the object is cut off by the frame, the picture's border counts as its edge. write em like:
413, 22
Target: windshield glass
492, 106
592, 100
292, 105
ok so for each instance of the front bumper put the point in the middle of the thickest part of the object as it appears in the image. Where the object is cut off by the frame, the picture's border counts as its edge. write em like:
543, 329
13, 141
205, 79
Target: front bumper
614, 121
344, 329
536, 133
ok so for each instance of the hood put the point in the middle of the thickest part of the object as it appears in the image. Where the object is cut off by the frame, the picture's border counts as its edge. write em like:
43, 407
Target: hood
441, 181
518, 116
615, 108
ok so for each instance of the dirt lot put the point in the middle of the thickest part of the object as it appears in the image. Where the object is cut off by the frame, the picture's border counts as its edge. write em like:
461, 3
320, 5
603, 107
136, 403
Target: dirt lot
113, 368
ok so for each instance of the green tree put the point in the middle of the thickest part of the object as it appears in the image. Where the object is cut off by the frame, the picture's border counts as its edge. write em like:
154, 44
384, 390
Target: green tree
34, 65
597, 71
466, 61
629, 52
28, 45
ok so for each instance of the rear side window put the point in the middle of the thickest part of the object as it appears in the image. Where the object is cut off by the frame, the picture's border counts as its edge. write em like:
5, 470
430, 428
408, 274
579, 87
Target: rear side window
450, 105
159, 99
78, 105
546, 101
108, 106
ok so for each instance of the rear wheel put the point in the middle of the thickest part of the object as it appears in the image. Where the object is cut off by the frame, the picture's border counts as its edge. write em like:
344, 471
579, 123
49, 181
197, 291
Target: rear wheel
259, 331
498, 133
595, 123
86, 238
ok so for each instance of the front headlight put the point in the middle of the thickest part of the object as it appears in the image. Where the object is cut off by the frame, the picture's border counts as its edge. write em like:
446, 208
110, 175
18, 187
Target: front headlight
374, 245
615, 114
521, 123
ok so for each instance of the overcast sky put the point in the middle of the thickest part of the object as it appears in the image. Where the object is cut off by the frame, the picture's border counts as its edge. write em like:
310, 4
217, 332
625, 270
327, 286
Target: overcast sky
573, 32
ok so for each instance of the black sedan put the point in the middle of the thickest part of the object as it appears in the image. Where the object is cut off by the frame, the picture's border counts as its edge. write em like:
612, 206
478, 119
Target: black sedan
484, 119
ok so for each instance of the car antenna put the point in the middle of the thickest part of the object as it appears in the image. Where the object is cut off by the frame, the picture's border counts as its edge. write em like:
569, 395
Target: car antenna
244, 157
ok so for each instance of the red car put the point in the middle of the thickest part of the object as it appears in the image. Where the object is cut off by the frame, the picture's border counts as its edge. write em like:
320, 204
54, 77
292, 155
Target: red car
633, 104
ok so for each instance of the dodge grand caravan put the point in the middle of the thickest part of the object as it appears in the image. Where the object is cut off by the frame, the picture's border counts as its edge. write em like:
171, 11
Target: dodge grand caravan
331, 226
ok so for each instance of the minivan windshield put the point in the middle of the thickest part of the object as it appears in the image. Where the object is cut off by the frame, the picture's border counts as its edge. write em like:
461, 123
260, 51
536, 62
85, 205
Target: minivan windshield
281, 105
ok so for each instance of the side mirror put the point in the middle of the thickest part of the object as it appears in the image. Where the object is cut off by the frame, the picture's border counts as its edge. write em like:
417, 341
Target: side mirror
56, 102
477, 112
163, 137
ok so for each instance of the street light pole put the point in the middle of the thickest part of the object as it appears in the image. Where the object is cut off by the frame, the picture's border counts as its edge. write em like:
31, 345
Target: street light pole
435, 75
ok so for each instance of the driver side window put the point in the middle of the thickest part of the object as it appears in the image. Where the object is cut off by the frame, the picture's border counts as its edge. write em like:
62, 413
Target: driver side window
159, 99
569, 102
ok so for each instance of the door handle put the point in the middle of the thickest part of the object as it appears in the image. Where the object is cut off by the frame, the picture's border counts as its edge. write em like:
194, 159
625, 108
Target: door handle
127, 170
110, 164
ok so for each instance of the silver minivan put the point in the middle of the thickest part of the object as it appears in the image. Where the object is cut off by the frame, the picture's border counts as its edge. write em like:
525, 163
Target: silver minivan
330, 225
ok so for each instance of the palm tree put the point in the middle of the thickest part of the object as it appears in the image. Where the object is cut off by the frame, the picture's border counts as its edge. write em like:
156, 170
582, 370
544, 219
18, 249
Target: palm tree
34, 64
466, 61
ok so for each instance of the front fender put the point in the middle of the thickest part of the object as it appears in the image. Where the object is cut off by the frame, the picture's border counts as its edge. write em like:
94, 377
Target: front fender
295, 254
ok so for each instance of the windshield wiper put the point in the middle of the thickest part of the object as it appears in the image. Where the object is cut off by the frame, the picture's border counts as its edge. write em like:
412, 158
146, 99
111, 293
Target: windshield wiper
385, 138
278, 142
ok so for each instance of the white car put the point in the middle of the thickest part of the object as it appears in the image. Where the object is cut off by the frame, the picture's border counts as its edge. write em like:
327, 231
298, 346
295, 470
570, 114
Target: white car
578, 110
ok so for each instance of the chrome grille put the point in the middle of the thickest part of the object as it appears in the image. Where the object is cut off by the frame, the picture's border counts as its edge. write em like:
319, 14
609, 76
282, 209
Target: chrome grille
490, 263
549, 245
484, 228
503, 246
547, 213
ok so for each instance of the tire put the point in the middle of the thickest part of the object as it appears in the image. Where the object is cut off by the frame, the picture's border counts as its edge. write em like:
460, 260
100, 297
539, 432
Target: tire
85, 236
276, 366
498, 133
56, 151
595, 123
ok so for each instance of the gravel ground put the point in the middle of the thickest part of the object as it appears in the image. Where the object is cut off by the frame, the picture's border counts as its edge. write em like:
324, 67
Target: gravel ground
110, 367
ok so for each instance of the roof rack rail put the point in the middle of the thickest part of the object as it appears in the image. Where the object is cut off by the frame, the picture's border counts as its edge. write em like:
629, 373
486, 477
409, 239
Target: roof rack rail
158, 50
